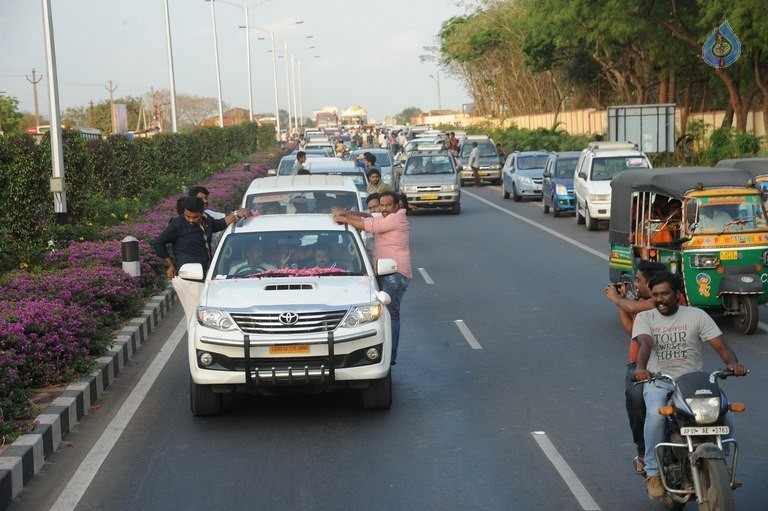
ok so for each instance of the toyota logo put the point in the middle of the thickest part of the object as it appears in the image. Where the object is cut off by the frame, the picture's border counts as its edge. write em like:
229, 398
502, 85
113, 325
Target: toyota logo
288, 318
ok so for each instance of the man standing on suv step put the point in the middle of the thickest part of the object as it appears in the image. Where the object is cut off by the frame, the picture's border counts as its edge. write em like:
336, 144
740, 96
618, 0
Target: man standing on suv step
392, 240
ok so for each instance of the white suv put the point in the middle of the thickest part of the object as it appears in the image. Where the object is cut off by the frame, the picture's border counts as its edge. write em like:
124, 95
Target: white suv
597, 165
272, 318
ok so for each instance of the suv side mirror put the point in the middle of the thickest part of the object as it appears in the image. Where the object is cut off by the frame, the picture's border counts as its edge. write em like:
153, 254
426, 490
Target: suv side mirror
582, 175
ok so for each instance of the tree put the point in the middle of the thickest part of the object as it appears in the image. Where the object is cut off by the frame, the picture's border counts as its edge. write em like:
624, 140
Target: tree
405, 116
10, 117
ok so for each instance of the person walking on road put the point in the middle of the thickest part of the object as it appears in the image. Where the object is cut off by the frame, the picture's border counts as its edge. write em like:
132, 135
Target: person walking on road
392, 240
474, 162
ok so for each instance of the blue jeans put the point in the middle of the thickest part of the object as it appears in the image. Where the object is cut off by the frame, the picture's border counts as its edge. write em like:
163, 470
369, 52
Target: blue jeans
394, 285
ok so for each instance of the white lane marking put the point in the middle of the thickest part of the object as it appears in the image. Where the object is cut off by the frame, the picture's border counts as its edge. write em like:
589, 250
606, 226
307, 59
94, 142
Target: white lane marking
569, 476
426, 276
543, 228
76, 487
464, 329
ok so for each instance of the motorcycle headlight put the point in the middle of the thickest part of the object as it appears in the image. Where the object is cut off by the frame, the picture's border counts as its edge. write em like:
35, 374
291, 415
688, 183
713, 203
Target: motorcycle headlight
705, 261
362, 314
527, 180
561, 190
215, 318
447, 188
705, 410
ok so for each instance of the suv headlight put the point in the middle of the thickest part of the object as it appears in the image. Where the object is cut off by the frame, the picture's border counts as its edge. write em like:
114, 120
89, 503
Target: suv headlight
387, 178
408, 188
362, 314
596, 197
561, 190
215, 318
527, 180
495, 167
447, 188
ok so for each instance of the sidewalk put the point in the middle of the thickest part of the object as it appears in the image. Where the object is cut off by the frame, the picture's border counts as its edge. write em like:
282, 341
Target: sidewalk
26, 456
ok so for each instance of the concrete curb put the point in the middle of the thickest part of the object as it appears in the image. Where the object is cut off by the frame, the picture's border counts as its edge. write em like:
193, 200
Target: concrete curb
25, 457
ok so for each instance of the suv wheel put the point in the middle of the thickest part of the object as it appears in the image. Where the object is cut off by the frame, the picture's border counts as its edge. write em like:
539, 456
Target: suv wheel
203, 400
515, 196
378, 395
506, 193
555, 211
546, 206
456, 209
591, 222
579, 216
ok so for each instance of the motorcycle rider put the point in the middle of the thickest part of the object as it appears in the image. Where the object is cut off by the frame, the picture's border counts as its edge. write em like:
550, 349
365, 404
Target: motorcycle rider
670, 338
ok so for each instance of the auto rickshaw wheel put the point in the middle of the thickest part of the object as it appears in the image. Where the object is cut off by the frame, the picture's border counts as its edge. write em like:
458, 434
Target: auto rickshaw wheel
748, 316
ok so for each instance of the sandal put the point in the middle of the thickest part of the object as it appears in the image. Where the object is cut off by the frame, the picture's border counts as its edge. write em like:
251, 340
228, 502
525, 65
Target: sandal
639, 464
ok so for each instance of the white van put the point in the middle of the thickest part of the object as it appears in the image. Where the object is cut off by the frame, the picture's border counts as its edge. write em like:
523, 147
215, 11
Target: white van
597, 166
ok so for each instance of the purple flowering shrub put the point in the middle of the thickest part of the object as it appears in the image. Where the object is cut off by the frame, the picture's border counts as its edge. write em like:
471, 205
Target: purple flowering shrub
56, 321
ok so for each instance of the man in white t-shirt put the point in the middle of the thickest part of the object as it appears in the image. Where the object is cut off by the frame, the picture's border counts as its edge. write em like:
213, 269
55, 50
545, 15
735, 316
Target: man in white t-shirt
474, 162
670, 338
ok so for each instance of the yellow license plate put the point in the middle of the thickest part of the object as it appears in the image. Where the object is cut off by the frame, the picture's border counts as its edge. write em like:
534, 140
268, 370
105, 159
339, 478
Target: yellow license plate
729, 255
296, 349
429, 197
484, 173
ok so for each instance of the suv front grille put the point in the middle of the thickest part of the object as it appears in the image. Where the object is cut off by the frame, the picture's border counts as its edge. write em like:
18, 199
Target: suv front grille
307, 322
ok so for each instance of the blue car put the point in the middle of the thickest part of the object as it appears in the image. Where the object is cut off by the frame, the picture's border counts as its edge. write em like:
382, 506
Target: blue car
557, 187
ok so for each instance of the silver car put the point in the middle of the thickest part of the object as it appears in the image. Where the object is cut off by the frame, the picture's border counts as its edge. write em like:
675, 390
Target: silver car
430, 180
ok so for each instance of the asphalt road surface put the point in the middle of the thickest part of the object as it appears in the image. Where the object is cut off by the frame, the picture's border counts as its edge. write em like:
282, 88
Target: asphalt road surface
508, 395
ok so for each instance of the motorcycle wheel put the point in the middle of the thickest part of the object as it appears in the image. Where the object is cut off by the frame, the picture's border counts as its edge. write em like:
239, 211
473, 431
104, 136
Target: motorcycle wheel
715, 486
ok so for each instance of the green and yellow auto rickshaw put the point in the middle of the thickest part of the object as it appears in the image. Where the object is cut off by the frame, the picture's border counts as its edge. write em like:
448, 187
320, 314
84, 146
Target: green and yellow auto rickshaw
708, 225
757, 166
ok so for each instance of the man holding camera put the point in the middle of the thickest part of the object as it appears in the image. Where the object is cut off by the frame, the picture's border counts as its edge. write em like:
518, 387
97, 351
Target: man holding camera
628, 308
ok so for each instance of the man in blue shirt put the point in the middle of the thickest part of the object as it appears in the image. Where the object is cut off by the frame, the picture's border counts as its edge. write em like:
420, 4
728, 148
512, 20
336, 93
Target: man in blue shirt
190, 236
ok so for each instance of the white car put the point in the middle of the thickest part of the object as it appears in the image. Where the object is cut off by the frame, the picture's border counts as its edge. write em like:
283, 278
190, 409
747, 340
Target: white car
302, 194
597, 166
268, 319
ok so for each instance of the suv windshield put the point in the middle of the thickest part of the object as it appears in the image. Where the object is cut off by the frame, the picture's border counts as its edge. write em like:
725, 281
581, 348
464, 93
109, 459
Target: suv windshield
487, 149
289, 253
300, 202
604, 169
432, 164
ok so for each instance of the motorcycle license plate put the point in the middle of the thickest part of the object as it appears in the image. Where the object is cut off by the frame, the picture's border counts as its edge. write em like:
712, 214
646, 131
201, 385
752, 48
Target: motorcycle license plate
705, 430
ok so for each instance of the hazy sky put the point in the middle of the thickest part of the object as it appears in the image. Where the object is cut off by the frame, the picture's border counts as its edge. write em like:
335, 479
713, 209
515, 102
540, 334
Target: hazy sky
368, 51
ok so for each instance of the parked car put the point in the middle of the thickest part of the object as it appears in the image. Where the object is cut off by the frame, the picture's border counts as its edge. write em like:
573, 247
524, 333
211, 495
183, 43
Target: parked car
523, 174
490, 163
263, 326
598, 164
430, 180
557, 186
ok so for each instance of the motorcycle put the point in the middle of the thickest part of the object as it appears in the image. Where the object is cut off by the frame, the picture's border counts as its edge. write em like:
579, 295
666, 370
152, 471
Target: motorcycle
699, 459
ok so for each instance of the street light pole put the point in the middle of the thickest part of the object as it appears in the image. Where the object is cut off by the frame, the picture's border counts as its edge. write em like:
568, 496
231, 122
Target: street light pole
248, 67
216, 55
172, 80
274, 84
293, 84
301, 96
439, 99
288, 89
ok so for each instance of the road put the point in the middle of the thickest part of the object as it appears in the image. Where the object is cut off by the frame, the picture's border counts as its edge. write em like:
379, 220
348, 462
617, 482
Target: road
508, 395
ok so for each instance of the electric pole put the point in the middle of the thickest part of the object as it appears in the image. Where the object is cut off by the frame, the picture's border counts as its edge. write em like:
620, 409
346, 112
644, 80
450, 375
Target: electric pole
34, 81
112, 89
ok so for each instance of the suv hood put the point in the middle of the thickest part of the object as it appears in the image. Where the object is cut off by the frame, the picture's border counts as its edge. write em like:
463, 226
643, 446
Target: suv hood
287, 291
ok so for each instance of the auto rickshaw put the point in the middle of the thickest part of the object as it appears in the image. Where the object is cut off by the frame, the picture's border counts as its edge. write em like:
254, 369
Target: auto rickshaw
757, 166
714, 234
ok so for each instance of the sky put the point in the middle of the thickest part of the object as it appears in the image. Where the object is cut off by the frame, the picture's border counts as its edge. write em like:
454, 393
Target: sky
365, 52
